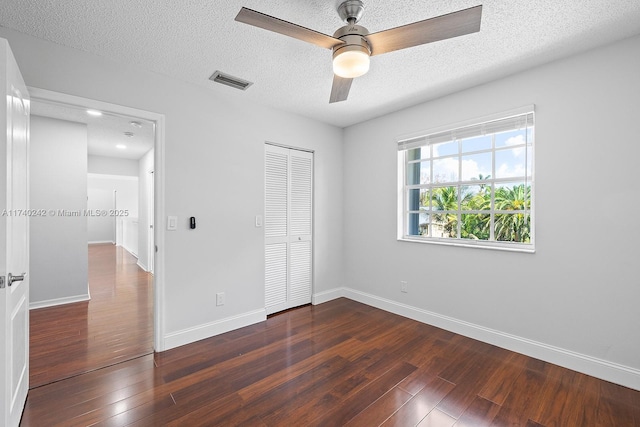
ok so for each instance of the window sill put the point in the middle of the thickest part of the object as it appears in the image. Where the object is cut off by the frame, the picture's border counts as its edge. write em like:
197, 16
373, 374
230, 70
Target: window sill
471, 244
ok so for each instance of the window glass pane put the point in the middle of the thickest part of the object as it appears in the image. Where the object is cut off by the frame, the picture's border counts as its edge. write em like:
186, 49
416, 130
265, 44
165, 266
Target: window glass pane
515, 196
510, 138
475, 197
510, 162
418, 153
424, 199
418, 199
513, 227
444, 199
413, 199
413, 173
425, 173
475, 226
418, 173
445, 225
445, 148
445, 170
476, 166
476, 143
418, 224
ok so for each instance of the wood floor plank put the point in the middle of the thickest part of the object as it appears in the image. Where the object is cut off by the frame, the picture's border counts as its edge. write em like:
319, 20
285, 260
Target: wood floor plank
421, 404
481, 412
437, 418
380, 410
570, 396
337, 363
228, 411
356, 403
524, 399
95, 382
313, 395
500, 384
470, 378
347, 351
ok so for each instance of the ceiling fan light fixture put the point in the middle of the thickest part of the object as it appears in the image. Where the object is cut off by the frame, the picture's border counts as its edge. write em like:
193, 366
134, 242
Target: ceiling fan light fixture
351, 64
351, 60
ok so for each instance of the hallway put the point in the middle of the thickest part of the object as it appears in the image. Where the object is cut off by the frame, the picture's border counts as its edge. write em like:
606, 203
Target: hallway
114, 326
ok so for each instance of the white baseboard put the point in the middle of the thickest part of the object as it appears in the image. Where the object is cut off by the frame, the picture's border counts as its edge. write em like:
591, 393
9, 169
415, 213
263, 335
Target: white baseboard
603, 369
142, 266
102, 242
130, 251
200, 332
327, 296
58, 301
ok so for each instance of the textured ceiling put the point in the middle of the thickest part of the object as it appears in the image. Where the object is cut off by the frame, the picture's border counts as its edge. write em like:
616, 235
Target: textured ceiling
104, 132
189, 40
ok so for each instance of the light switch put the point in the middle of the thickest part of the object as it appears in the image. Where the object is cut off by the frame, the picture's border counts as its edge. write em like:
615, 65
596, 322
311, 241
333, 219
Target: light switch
258, 220
172, 223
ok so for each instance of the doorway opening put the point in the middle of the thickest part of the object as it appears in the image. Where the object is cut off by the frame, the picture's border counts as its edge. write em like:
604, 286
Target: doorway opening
124, 196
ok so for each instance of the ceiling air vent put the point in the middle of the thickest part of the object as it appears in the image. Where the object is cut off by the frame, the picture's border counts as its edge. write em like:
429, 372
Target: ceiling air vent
226, 79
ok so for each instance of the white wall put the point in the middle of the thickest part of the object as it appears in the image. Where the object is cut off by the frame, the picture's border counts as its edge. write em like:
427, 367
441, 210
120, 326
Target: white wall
145, 167
101, 189
578, 294
214, 171
58, 182
112, 165
100, 229
130, 235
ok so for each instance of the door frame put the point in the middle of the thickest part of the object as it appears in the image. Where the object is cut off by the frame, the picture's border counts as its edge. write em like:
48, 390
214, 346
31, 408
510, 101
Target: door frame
45, 95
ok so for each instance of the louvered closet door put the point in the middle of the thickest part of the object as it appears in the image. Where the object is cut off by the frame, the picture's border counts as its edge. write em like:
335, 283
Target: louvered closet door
288, 224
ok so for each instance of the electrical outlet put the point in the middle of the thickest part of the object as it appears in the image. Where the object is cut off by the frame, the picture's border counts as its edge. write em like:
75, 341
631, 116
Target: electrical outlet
220, 298
404, 286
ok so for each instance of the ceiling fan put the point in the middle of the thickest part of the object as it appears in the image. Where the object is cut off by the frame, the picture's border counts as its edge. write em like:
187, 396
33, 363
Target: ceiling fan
352, 44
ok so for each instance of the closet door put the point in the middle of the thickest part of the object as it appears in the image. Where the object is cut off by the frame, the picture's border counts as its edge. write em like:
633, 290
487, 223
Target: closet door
288, 227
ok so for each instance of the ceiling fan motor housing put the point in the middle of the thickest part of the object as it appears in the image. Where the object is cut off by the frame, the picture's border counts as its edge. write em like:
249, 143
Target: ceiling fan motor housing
354, 38
351, 11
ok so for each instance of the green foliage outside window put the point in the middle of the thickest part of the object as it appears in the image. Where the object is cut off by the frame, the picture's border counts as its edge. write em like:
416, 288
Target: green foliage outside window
508, 227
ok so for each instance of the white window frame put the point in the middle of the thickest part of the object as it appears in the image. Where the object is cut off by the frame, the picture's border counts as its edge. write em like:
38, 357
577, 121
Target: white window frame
458, 131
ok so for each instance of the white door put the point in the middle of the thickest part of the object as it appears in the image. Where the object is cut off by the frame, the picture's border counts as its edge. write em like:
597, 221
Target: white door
288, 226
14, 230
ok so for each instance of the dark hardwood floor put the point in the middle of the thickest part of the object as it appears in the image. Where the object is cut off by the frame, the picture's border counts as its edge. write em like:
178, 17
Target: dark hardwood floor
116, 325
334, 364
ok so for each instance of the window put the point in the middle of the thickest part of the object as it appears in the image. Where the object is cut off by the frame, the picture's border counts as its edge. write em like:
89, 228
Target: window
471, 184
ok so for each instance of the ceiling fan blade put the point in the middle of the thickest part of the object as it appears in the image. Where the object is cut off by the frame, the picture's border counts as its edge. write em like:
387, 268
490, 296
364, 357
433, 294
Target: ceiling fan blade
430, 30
340, 89
257, 19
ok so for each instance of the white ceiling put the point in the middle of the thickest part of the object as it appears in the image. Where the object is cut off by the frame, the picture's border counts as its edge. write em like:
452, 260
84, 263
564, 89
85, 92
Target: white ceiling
105, 132
189, 40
